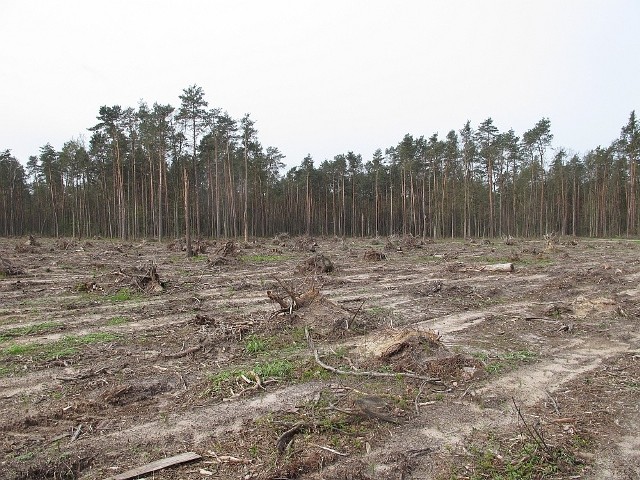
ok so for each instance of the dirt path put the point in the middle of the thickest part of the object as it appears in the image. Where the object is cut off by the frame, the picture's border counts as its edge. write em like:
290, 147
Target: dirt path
537, 370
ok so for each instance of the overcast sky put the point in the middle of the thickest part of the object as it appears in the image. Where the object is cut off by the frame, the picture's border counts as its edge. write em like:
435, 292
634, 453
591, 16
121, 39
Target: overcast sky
324, 77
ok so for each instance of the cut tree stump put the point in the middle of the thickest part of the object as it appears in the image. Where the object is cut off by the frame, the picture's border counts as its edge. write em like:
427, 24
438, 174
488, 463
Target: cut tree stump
317, 263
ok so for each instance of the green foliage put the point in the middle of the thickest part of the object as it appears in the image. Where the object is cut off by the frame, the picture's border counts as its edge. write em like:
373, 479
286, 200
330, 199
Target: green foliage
230, 378
525, 460
505, 361
37, 328
255, 345
65, 347
122, 295
118, 321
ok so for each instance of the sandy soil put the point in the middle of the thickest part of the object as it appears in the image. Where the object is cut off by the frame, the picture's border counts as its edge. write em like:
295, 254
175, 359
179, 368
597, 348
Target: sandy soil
533, 373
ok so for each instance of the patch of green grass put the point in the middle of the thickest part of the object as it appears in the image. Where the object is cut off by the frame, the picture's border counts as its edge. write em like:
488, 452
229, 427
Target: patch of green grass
255, 344
634, 386
65, 347
29, 330
230, 378
25, 457
261, 258
118, 321
6, 371
122, 295
378, 311
526, 460
505, 361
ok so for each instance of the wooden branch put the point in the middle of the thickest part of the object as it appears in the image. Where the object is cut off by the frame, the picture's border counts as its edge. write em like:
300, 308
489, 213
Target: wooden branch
278, 299
533, 433
158, 465
360, 373
355, 314
184, 353
287, 437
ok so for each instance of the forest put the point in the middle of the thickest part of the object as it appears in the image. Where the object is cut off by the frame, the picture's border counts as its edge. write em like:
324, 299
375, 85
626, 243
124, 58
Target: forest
160, 172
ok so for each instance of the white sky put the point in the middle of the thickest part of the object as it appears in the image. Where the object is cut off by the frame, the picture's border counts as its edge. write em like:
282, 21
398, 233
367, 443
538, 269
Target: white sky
324, 77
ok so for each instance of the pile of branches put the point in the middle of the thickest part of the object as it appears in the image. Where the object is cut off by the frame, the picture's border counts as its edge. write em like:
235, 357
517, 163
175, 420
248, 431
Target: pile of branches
305, 244
7, 268
374, 256
281, 239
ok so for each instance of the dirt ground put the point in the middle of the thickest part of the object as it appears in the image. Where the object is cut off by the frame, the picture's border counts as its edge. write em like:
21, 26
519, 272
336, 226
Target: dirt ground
403, 359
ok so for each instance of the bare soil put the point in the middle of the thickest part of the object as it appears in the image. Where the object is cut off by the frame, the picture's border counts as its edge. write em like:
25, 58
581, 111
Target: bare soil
114, 355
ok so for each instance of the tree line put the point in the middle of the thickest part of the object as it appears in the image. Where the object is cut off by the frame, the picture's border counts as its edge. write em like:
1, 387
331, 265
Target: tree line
159, 171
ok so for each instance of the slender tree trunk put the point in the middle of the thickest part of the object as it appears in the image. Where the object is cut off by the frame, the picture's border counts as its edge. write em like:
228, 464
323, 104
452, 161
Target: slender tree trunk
187, 226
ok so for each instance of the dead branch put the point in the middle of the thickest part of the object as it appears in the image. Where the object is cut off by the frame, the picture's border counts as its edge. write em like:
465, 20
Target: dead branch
533, 432
360, 373
184, 353
287, 437
553, 402
278, 299
355, 314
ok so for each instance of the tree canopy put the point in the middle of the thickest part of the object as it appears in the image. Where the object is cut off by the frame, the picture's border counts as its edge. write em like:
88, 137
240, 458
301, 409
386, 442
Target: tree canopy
156, 171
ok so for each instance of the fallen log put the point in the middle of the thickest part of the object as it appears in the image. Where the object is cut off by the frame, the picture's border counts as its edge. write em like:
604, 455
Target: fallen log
495, 267
498, 267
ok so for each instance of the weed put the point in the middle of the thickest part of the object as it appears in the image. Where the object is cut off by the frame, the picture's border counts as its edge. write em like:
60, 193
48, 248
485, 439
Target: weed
378, 311
634, 386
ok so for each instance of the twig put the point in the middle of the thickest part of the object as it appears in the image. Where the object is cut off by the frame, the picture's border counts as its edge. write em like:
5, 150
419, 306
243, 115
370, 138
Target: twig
362, 373
418, 398
553, 402
354, 315
76, 434
184, 353
330, 450
533, 433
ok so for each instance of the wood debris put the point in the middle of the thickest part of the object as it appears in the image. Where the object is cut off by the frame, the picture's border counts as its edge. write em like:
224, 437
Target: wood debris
374, 256
158, 465
8, 268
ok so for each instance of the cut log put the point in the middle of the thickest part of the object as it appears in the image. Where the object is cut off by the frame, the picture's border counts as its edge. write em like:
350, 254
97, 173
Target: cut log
158, 465
498, 267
